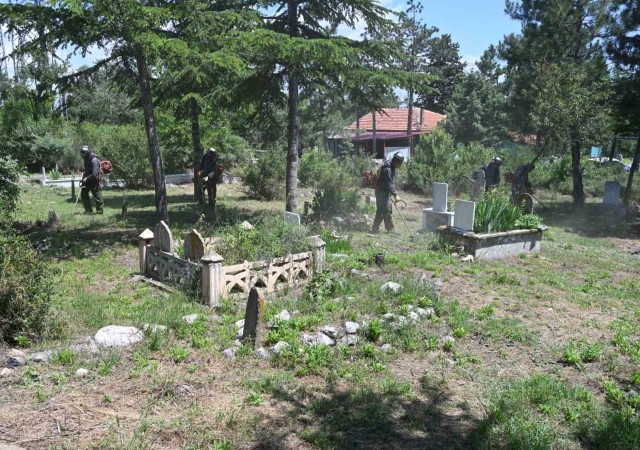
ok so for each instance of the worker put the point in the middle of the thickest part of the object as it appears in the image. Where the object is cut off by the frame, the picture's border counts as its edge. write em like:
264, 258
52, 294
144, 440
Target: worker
520, 182
491, 173
385, 190
209, 172
91, 181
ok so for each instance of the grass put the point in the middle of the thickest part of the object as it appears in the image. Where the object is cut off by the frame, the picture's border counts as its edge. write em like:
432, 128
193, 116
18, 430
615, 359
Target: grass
499, 385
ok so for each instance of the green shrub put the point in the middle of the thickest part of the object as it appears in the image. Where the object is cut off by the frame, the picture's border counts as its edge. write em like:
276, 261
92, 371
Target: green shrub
495, 213
528, 221
125, 146
9, 190
25, 289
332, 200
317, 168
265, 179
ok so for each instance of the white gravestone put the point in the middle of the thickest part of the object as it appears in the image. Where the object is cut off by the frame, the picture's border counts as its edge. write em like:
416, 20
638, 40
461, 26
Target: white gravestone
611, 193
478, 186
440, 196
194, 246
162, 237
464, 215
291, 218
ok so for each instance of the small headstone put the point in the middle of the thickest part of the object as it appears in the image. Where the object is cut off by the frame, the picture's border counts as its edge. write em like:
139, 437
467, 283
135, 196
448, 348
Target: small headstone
440, 196
118, 336
611, 193
194, 246
351, 327
478, 186
465, 214
162, 237
81, 373
254, 329
291, 218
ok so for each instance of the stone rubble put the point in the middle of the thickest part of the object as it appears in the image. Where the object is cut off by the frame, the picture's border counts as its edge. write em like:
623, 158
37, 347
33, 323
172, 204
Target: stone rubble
351, 327
81, 373
118, 336
391, 288
279, 347
284, 315
190, 319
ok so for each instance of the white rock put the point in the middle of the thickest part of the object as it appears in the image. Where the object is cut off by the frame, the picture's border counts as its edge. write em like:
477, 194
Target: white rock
389, 316
330, 331
391, 288
447, 340
323, 339
154, 328
413, 316
246, 225
5, 372
118, 336
426, 312
400, 322
185, 389
230, 352
87, 345
237, 343
284, 315
279, 347
240, 333
340, 255
239, 323
43, 356
351, 327
81, 373
15, 352
349, 339
190, 319
468, 258
261, 353
386, 348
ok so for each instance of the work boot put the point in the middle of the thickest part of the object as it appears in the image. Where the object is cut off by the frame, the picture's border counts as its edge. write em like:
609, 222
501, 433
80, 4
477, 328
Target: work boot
88, 212
375, 231
100, 212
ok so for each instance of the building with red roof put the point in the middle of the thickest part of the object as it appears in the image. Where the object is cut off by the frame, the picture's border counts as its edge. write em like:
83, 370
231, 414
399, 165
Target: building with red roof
390, 129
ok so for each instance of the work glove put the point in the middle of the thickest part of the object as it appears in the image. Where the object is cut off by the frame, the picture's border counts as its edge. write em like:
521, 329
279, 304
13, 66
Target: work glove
200, 174
396, 198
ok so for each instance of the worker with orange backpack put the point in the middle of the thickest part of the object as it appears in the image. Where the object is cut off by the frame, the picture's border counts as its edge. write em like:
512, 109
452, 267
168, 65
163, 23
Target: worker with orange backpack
91, 178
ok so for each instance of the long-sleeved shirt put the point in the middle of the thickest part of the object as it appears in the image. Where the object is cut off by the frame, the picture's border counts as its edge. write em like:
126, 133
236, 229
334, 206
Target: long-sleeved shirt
386, 180
492, 174
91, 169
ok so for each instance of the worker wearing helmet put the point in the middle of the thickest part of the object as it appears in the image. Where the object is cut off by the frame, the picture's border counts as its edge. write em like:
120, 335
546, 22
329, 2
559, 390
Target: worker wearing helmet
90, 181
209, 173
385, 190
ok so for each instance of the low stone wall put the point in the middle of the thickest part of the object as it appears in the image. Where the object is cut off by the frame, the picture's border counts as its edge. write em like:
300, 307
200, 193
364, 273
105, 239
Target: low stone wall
494, 245
158, 261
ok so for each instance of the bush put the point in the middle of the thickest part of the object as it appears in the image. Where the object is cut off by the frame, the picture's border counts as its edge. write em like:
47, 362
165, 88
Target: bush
495, 213
25, 289
265, 179
318, 167
9, 190
437, 159
334, 200
125, 146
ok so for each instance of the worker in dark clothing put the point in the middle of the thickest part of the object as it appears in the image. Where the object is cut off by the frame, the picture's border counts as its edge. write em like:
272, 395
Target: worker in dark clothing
492, 173
90, 181
521, 180
209, 174
385, 189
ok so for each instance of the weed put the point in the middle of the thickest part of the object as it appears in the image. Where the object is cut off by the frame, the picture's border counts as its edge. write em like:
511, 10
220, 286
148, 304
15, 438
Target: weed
432, 343
23, 341
368, 350
179, 353
66, 357
58, 379
108, 365
373, 330
255, 399
107, 399
460, 332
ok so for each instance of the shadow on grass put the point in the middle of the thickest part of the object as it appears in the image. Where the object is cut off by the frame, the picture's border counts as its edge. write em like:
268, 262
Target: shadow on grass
362, 418
587, 222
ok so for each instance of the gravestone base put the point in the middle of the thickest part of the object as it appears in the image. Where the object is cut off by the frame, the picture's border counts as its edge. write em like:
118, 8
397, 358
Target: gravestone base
433, 219
612, 211
495, 245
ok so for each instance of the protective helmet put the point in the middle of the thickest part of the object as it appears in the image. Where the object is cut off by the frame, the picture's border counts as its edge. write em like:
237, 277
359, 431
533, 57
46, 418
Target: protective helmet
211, 149
85, 150
398, 158
497, 160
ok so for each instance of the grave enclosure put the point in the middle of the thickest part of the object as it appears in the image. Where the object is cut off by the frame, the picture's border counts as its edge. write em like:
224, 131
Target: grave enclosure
159, 261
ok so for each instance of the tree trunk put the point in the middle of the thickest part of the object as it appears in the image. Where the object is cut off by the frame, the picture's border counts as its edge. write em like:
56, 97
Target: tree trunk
410, 120
375, 143
576, 171
152, 136
634, 169
293, 126
197, 148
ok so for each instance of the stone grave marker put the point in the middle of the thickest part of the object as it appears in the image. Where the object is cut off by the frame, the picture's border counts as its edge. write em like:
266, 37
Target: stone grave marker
440, 196
194, 246
478, 186
292, 218
254, 329
611, 193
465, 214
162, 237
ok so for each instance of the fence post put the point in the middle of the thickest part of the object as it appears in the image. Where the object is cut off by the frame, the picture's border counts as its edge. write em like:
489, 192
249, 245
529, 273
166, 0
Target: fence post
144, 241
212, 278
318, 249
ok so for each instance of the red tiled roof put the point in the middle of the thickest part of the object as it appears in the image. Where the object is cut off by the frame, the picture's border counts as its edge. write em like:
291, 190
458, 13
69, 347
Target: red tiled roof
395, 119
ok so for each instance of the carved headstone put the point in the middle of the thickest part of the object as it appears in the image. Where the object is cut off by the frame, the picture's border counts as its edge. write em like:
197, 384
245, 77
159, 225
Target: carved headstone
465, 215
478, 186
163, 238
291, 218
440, 196
611, 193
194, 246
254, 319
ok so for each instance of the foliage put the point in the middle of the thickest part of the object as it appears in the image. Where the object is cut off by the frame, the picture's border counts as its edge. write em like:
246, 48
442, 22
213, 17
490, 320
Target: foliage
437, 159
495, 213
317, 168
25, 289
125, 146
528, 221
264, 179
332, 198
9, 190
271, 237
